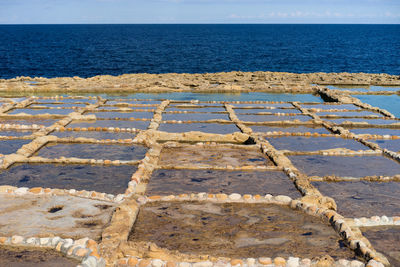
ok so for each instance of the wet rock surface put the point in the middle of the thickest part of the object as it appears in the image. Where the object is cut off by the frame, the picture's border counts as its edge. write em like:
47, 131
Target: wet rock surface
236, 230
27, 257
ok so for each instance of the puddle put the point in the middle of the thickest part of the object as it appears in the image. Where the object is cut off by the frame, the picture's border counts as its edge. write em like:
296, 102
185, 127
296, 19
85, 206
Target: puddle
41, 122
294, 129
167, 182
41, 111
388, 102
370, 121
215, 156
64, 216
379, 131
93, 151
94, 134
346, 166
110, 115
362, 198
194, 116
11, 146
278, 110
302, 143
385, 240
236, 230
27, 257
80, 177
202, 127
110, 123
15, 133
393, 145
350, 113
265, 118
331, 106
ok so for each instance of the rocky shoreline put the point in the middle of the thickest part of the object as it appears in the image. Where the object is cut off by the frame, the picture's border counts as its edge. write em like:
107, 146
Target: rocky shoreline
208, 82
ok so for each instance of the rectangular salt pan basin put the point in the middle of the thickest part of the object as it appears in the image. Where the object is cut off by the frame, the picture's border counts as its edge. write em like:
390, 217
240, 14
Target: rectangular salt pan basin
94, 134
194, 116
108, 179
363, 199
40, 122
15, 133
268, 118
378, 131
386, 240
331, 106
11, 146
278, 110
361, 120
93, 151
142, 125
392, 145
302, 143
167, 182
220, 156
202, 127
199, 109
42, 111
294, 129
236, 230
111, 115
350, 166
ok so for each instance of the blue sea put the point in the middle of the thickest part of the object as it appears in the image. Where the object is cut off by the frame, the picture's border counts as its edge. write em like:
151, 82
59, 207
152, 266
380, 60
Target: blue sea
88, 50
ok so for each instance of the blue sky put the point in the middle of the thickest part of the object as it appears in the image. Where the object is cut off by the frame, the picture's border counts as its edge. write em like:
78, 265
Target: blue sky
199, 11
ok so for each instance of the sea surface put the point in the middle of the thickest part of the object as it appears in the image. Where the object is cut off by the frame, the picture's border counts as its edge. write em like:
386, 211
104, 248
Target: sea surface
88, 50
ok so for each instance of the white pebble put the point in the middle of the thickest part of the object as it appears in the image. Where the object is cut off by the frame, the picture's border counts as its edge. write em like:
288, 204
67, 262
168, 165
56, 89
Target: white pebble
235, 196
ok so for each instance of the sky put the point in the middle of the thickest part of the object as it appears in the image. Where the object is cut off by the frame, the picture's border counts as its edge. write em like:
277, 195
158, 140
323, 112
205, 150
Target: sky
198, 11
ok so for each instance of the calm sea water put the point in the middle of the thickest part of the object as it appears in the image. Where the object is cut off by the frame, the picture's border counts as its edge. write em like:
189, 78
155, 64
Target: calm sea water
88, 50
